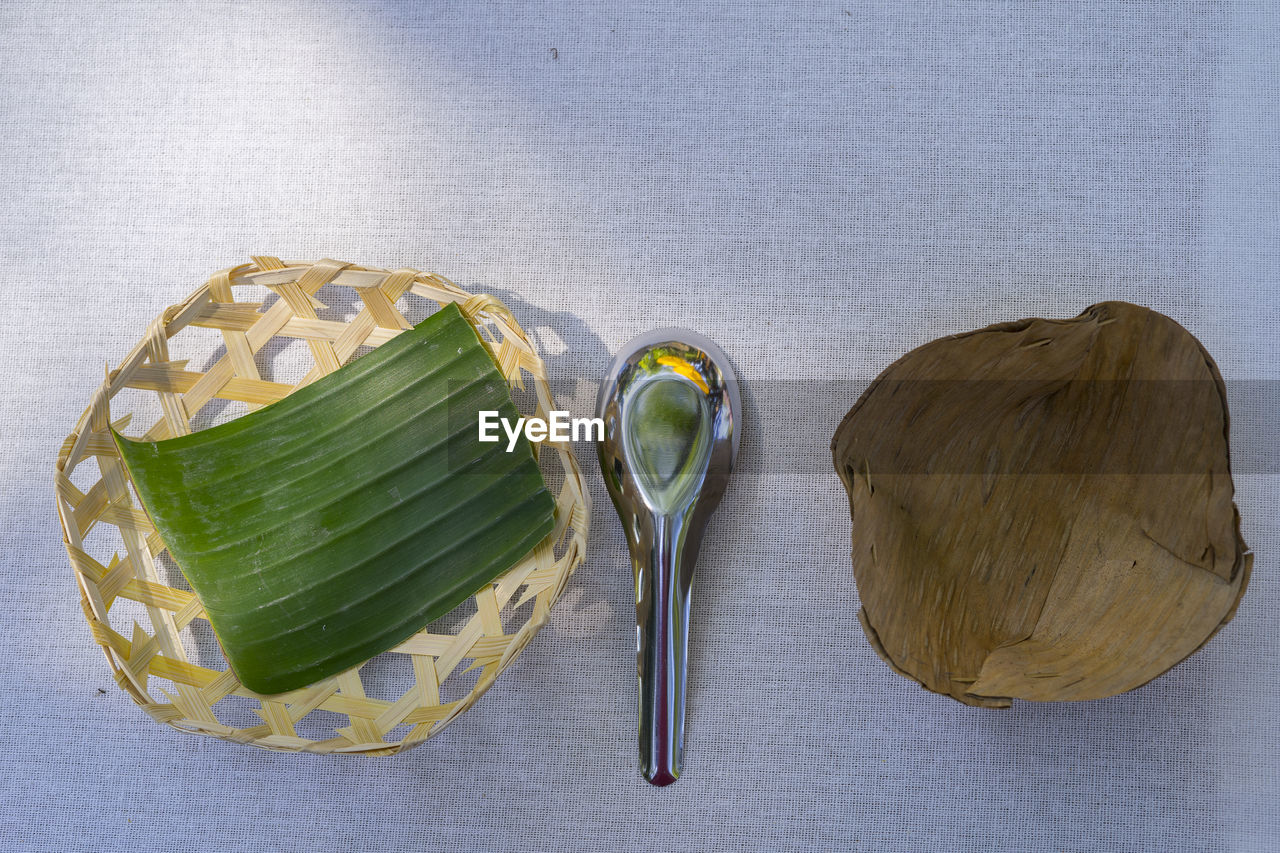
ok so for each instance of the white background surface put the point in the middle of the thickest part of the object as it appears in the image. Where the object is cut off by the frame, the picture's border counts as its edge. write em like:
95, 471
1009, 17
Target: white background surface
820, 187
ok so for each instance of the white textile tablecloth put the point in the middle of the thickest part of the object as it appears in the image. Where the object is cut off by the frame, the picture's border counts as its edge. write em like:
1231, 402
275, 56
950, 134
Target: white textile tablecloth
819, 187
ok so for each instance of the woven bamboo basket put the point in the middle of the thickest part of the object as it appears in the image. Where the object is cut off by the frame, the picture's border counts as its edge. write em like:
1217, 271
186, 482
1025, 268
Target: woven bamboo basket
140, 610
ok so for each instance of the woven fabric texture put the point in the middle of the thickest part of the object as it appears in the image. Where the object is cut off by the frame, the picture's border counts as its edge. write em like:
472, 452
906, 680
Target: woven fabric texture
819, 188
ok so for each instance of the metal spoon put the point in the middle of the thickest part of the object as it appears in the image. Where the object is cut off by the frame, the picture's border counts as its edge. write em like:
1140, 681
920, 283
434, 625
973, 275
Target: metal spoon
671, 412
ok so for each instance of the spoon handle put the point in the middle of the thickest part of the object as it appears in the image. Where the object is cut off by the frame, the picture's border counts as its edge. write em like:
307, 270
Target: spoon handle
663, 584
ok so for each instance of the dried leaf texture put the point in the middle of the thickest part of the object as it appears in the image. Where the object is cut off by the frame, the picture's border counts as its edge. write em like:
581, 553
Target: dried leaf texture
1043, 509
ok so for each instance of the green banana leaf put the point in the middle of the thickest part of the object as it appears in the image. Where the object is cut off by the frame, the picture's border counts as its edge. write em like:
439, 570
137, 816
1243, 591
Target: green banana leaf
328, 527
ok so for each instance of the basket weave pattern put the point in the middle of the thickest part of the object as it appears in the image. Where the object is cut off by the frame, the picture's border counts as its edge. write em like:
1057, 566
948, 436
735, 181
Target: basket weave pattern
156, 659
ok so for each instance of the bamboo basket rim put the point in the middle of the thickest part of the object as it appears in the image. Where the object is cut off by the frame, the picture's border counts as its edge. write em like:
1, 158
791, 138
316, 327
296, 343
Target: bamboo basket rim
152, 658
